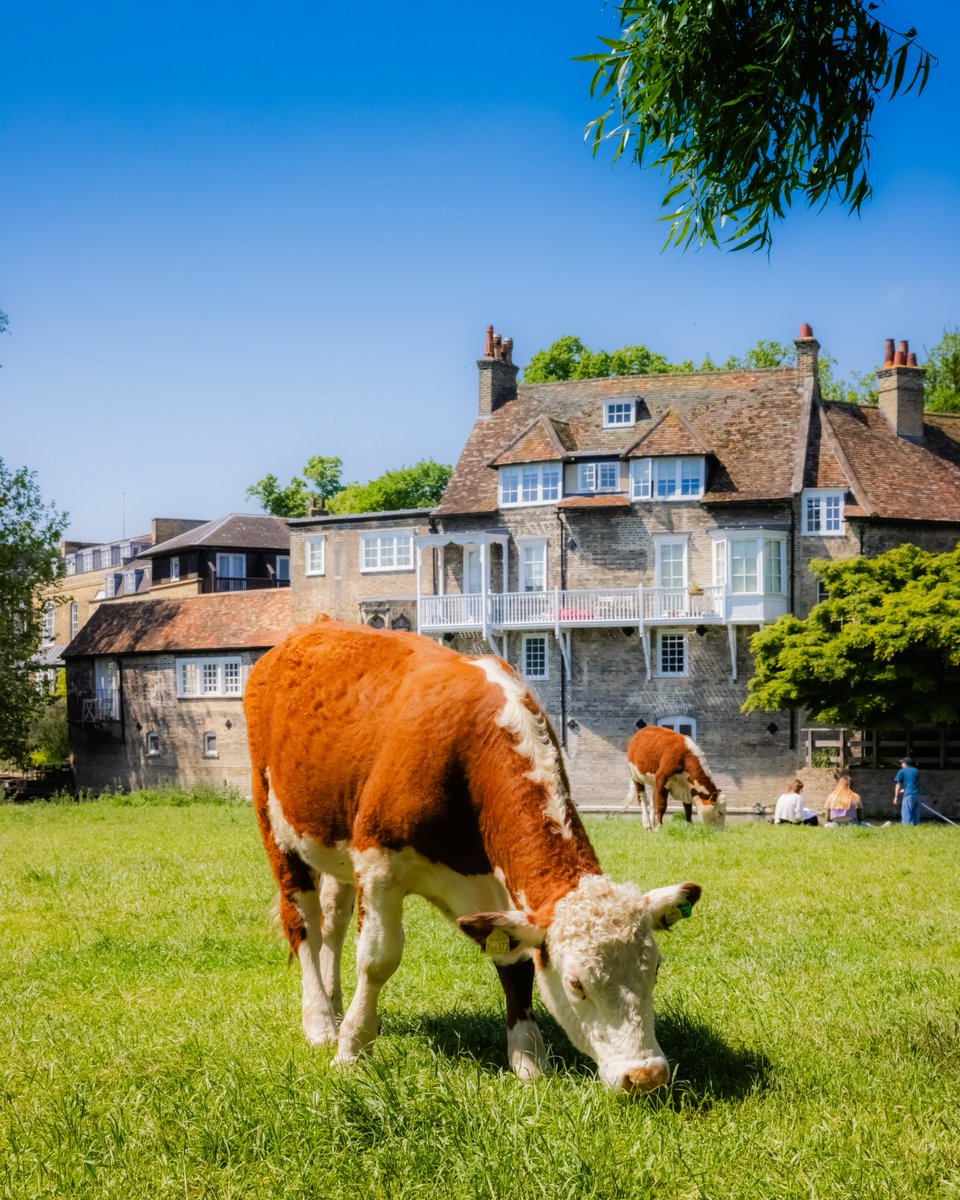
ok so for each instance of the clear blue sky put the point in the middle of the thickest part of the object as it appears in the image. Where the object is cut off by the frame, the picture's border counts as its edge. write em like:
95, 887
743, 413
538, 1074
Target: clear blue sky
234, 235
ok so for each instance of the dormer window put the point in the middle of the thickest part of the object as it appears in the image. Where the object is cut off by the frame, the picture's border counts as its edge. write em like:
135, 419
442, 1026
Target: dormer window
598, 477
533, 483
666, 478
823, 512
617, 413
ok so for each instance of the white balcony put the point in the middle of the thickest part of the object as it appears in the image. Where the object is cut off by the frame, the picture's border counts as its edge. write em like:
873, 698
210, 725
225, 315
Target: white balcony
569, 609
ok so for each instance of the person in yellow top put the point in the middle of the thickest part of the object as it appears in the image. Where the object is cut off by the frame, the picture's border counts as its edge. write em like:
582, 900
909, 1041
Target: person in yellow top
843, 805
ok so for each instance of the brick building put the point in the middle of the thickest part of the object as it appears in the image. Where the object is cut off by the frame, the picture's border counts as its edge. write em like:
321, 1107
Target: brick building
154, 689
237, 553
619, 541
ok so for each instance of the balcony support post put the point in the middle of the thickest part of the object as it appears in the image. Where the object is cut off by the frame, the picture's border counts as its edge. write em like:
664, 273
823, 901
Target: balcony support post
732, 638
419, 586
563, 641
645, 643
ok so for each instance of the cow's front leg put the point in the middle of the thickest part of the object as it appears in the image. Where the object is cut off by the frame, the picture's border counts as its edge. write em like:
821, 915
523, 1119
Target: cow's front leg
336, 905
319, 1018
525, 1049
379, 949
660, 800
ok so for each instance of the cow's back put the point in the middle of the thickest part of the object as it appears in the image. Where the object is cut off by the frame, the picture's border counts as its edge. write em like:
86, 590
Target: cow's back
359, 735
656, 750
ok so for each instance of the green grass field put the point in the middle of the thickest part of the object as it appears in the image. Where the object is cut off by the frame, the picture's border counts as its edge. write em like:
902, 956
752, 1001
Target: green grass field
151, 1044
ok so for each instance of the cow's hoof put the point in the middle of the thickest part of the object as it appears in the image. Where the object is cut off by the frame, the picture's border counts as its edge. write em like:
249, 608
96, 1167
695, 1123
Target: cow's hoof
321, 1036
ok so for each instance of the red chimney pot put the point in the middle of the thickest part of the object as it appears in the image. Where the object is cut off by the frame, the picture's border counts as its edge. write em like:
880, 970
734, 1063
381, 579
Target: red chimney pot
488, 344
806, 331
911, 359
888, 352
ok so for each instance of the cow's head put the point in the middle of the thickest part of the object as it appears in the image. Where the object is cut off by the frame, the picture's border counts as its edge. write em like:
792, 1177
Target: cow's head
713, 813
596, 966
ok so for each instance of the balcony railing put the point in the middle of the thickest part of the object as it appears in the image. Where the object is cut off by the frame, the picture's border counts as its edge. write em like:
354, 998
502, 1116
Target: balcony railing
570, 608
231, 583
104, 706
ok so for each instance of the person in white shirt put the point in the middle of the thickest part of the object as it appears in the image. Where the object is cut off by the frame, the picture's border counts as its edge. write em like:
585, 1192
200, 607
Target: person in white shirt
790, 808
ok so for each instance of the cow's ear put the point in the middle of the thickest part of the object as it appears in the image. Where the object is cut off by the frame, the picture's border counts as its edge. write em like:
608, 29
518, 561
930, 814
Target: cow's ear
668, 904
502, 932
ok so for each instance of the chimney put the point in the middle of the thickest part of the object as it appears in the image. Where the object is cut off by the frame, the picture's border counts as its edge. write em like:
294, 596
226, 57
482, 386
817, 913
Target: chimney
900, 387
807, 350
498, 373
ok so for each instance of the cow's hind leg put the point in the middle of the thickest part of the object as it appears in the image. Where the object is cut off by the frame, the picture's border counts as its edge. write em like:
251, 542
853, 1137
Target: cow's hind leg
336, 905
379, 949
660, 800
525, 1048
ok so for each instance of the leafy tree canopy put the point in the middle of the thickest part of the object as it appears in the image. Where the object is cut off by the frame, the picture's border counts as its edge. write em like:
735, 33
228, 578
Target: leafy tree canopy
298, 497
419, 486
882, 651
569, 358
745, 105
30, 533
943, 373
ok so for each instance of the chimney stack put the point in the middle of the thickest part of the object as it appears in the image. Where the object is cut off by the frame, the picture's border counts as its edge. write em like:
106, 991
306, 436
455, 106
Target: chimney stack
498, 373
807, 350
900, 387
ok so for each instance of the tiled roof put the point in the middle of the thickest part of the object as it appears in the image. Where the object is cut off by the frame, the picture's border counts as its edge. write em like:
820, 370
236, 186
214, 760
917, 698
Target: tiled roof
220, 621
239, 531
751, 420
539, 442
670, 435
597, 500
894, 477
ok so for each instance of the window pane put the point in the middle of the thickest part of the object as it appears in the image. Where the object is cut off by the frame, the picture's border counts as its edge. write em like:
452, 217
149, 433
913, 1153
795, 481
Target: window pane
772, 568
666, 476
529, 484
673, 654
641, 473
690, 476
671, 565
509, 487
831, 515
209, 678
608, 476
535, 657
813, 514
744, 573
231, 678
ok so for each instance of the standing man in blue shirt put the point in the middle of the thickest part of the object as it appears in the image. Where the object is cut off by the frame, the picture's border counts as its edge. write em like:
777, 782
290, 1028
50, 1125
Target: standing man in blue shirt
906, 783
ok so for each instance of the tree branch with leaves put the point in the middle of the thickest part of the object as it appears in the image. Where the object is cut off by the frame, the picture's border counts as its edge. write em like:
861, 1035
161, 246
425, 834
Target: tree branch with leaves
746, 105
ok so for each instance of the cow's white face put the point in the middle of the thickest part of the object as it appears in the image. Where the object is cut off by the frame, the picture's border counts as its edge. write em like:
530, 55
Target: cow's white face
596, 967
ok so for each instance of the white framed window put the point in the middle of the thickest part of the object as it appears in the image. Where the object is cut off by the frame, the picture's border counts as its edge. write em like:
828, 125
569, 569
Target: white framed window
48, 622
283, 568
314, 554
112, 584
532, 557
619, 412
86, 560
534, 657
208, 677
386, 551
752, 565
666, 478
153, 744
822, 593
114, 556
532, 483
71, 564
125, 550
472, 574
210, 744
74, 619
131, 581
685, 726
231, 572
671, 654
670, 563
598, 476
823, 512
175, 568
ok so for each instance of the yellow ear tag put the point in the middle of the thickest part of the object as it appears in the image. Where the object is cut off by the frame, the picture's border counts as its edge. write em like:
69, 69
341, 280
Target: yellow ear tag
498, 942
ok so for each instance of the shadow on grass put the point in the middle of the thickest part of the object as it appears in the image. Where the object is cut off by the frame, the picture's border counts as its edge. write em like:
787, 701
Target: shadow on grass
706, 1067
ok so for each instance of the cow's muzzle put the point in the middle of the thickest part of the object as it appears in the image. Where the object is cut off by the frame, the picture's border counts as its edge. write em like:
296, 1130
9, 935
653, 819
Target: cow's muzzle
646, 1079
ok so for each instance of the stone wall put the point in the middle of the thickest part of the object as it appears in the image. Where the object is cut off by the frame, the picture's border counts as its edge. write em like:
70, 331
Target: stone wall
113, 755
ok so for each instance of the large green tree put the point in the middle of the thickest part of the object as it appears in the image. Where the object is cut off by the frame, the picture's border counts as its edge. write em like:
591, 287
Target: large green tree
746, 105
320, 482
943, 373
30, 532
419, 486
883, 650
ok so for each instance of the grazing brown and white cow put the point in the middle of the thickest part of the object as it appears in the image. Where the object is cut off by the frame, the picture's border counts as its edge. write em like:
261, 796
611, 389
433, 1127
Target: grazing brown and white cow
665, 763
385, 764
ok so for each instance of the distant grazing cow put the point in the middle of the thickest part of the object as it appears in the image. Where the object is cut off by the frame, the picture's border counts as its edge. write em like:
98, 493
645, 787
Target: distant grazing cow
385, 764
664, 763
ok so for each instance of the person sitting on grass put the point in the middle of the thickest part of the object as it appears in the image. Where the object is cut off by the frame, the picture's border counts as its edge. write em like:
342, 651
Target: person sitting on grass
790, 808
843, 805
